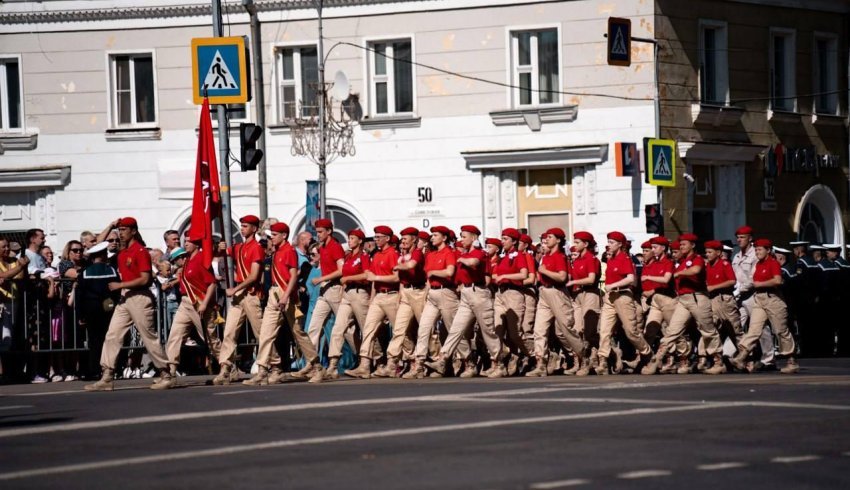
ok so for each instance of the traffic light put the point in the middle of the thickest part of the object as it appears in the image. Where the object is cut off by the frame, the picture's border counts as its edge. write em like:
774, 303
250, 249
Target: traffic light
248, 135
654, 219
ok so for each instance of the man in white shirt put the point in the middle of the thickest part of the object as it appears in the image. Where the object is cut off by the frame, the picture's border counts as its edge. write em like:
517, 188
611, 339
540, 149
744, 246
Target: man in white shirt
35, 240
744, 265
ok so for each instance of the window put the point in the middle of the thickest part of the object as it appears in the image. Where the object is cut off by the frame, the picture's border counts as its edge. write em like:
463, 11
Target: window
391, 77
826, 75
535, 61
11, 118
132, 90
297, 81
236, 113
714, 68
782, 70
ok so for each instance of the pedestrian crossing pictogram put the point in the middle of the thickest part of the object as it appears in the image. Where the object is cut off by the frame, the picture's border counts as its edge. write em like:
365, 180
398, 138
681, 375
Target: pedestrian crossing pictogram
619, 45
660, 162
619, 41
219, 75
662, 166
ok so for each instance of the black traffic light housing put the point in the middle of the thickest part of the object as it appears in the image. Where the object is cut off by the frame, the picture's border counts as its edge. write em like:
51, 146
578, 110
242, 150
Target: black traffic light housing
654, 219
248, 135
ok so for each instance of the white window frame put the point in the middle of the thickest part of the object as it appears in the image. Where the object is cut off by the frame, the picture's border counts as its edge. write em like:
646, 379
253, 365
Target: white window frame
214, 117
4, 110
790, 66
389, 77
512, 53
721, 59
277, 55
111, 97
832, 83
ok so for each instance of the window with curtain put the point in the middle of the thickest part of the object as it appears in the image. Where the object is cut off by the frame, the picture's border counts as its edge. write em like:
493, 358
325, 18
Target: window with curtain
133, 91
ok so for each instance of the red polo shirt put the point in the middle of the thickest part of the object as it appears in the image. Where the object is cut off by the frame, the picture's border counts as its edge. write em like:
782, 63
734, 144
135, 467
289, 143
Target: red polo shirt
195, 278
437, 260
511, 263
619, 266
245, 255
415, 276
532, 264
283, 261
554, 262
585, 265
472, 275
691, 284
765, 269
133, 261
354, 265
718, 272
329, 254
382, 265
656, 267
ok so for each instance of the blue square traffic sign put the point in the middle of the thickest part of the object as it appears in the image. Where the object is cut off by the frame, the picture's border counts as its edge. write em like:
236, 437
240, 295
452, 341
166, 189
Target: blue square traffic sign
220, 70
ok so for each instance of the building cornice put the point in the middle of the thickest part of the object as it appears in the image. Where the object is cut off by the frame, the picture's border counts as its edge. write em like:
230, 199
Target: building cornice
525, 158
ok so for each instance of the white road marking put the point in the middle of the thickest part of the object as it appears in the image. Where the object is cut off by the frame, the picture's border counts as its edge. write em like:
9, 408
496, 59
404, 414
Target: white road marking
636, 401
559, 484
153, 419
795, 459
721, 466
13, 407
633, 475
239, 392
392, 433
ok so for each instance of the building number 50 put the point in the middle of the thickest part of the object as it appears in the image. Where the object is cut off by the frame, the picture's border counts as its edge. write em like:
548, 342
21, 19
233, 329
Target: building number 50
425, 194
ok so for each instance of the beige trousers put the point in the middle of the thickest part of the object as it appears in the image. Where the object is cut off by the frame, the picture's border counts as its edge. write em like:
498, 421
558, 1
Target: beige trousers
327, 303
185, 319
727, 317
411, 304
509, 309
383, 306
697, 306
354, 305
273, 316
555, 304
440, 303
135, 309
476, 305
587, 306
772, 308
242, 306
620, 305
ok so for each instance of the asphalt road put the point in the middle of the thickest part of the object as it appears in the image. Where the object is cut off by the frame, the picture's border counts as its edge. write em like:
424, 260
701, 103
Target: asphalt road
730, 431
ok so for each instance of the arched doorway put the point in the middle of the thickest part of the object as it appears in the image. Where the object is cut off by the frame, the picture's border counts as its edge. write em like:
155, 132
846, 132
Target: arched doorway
818, 217
234, 228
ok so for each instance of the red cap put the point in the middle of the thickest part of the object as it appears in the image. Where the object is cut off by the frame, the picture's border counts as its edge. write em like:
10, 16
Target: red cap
280, 227
129, 222
493, 241
393, 239
424, 235
573, 249
675, 245
744, 230
525, 238
441, 229
763, 242
714, 245
555, 231
646, 244
617, 236
410, 231
384, 230
659, 240
358, 233
324, 223
250, 219
584, 236
511, 233
452, 235
471, 229
690, 237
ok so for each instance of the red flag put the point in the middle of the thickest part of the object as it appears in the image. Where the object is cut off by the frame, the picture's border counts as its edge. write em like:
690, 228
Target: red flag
206, 203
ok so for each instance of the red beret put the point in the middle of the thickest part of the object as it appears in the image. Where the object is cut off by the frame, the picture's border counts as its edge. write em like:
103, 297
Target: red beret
675, 245
441, 229
714, 245
584, 236
493, 241
250, 219
280, 227
410, 231
452, 235
646, 244
424, 235
659, 240
383, 230
393, 239
525, 238
573, 249
617, 236
358, 233
511, 233
470, 229
690, 237
324, 223
763, 242
555, 231
744, 230
131, 222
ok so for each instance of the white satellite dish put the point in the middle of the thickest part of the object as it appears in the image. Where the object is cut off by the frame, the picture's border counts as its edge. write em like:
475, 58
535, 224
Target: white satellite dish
341, 86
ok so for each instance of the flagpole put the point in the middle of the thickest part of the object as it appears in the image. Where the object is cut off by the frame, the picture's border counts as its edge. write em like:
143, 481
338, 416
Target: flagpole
224, 160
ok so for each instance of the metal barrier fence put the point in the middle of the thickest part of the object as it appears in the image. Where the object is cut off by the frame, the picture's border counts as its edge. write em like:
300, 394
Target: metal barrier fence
50, 323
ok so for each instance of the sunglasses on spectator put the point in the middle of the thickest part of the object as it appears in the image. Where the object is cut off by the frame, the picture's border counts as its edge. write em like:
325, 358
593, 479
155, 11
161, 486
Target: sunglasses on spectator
76, 250
112, 240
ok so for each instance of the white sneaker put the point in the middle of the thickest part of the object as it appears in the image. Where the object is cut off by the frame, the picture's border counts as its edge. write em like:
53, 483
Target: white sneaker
71, 377
56, 378
136, 374
255, 368
126, 373
39, 379
190, 343
181, 373
150, 373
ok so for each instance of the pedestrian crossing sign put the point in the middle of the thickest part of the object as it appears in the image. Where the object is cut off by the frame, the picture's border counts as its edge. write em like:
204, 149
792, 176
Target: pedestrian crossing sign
220, 69
619, 41
660, 162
